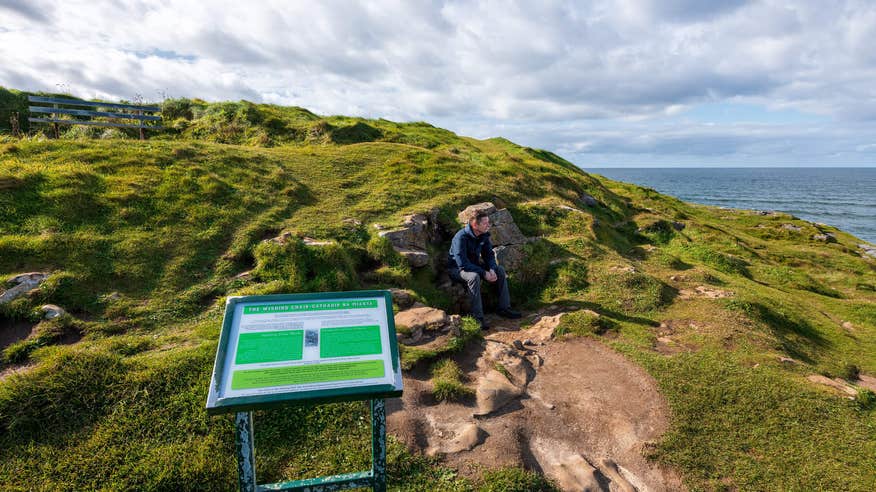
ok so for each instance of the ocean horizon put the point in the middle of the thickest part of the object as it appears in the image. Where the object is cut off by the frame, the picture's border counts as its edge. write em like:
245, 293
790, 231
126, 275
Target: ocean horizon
843, 197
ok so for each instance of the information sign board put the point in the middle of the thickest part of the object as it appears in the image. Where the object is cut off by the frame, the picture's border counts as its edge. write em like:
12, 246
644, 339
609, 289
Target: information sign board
320, 347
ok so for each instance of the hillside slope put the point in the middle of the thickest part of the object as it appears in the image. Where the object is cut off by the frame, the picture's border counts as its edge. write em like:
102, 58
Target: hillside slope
729, 311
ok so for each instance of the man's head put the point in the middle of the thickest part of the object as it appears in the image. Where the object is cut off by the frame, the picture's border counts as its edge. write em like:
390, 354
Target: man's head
480, 223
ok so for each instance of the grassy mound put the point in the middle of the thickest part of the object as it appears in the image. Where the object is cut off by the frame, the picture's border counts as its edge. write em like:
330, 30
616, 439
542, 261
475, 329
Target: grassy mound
143, 240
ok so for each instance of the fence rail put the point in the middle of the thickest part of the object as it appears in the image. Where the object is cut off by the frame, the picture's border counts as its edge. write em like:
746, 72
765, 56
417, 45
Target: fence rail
134, 112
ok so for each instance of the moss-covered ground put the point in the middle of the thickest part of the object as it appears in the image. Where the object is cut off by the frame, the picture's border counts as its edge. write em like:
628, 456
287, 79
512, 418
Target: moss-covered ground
145, 239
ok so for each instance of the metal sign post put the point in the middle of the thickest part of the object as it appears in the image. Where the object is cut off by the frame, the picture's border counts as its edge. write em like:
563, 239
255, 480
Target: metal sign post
306, 349
375, 478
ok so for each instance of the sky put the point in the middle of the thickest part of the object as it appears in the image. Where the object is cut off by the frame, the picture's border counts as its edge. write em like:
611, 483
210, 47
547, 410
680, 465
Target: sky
628, 83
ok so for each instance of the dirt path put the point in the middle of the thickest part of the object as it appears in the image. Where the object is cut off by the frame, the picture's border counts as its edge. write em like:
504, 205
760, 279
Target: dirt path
583, 416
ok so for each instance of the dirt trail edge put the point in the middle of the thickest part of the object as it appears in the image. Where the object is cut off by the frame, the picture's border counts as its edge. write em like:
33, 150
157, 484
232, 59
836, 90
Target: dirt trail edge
574, 410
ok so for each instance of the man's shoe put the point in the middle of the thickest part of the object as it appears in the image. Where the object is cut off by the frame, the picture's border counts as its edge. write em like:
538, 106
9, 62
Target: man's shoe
509, 313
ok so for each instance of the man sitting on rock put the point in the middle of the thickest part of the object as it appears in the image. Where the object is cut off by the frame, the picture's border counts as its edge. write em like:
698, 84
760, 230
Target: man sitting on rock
471, 259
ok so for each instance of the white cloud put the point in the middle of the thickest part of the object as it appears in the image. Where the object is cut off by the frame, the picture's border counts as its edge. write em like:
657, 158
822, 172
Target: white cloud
530, 71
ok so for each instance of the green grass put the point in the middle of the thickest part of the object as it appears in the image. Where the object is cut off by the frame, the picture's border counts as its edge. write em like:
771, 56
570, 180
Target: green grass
447, 382
144, 240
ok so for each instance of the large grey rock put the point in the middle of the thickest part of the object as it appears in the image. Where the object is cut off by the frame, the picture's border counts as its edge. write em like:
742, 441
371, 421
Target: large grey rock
505, 234
867, 250
470, 211
22, 284
416, 258
510, 257
411, 238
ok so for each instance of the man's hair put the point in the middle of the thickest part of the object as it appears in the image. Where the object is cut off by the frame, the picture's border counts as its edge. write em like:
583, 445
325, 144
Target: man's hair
477, 216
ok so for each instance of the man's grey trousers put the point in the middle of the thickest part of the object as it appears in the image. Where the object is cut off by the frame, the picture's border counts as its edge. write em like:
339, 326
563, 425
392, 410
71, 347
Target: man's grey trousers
472, 283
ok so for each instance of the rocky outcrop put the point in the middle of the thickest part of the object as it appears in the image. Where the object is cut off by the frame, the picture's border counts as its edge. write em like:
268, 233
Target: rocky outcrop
824, 238
22, 284
423, 324
867, 250
411, 239
506, 237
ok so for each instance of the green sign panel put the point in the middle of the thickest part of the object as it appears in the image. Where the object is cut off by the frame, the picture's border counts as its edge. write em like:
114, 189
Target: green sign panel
305, 347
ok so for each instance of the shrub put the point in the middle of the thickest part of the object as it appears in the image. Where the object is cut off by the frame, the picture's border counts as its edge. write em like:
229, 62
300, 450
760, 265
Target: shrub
303, 268
865, 399
632, 291
850, 372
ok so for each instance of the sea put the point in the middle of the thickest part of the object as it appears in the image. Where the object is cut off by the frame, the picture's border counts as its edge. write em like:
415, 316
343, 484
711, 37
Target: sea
842, 197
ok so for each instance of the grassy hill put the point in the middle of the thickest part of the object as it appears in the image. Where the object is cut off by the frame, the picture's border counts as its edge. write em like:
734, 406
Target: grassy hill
144, 239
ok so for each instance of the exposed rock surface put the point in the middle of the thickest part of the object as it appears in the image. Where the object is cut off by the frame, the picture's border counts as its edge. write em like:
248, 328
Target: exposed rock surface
22, 284
421, 324
867, 250
836, 383
449, 439
51, 311
825, 238
494, 391
411, 239
424, 317
704, 291
402, 297
506, 237
573, 409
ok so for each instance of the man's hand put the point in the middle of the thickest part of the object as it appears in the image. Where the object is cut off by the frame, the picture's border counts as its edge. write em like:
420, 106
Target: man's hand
491, 276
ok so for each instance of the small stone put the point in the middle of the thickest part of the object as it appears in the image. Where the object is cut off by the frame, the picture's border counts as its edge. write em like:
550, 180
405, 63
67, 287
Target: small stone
787, 360
678, 226
528, 342
51, 311
454, 324
518, 345
825, 238
848, 326
792, 227
589, 200
309, 241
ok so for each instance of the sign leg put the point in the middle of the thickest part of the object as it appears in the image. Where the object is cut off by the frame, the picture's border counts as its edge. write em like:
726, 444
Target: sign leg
245, 451
378, 444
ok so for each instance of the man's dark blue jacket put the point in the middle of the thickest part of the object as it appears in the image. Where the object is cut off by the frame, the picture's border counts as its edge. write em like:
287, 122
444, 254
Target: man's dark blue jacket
471, 253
